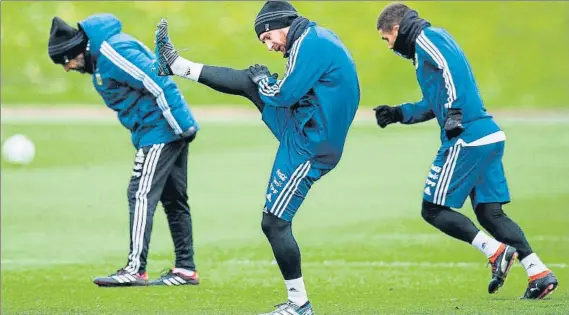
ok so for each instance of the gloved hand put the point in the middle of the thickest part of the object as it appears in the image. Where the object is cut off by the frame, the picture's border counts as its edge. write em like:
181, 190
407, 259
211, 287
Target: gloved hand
190, 134
386, 115
453, 123
258, 73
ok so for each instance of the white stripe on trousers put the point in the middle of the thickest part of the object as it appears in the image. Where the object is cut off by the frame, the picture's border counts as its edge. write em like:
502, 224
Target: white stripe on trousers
444, 194
283, 206
445, 178
288, 190
141, 207
137, 213
446, 175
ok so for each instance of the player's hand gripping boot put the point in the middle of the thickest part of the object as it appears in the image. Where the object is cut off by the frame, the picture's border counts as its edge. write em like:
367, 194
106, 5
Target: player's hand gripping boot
289, 308
501, 263
165, 52
175, 278
122, 278
540, 286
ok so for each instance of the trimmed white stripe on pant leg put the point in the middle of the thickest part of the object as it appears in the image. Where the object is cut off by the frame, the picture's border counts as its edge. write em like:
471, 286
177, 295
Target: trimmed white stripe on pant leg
141, 208
145, 200
448, 175
137, 212
298, 168
279, 209
443, 175
288, 186
444, 195
282, 207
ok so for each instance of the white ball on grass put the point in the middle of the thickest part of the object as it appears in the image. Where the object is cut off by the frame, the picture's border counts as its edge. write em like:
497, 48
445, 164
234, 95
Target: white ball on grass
18, 149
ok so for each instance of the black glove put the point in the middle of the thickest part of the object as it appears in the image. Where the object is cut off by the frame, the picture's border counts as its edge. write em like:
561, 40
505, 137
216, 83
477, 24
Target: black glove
258, 72
386, 115
190, 134
453, 123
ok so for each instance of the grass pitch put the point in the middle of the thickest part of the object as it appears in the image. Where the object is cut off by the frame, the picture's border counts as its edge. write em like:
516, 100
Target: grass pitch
365, 247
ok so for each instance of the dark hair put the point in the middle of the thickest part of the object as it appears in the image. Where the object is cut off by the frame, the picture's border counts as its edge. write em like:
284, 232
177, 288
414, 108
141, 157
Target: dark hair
391, 15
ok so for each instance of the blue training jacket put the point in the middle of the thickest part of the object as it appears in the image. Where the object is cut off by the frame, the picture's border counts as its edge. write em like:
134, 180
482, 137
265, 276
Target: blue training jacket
316, 100
447, 81
148, 105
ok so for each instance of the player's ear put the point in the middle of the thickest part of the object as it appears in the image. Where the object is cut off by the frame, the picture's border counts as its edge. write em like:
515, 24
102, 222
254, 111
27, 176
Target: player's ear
395, 29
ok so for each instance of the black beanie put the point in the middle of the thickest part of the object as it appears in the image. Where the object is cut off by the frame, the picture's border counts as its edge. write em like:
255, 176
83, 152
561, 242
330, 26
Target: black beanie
274, 15
65, 42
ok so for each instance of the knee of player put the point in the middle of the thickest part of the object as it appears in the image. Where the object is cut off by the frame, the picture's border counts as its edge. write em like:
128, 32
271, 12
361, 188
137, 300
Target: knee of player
489, 211
273, 226
430, 210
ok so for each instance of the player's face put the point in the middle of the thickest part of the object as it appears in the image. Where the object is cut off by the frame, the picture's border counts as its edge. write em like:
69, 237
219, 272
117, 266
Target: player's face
275, 39
390, 36
76, 64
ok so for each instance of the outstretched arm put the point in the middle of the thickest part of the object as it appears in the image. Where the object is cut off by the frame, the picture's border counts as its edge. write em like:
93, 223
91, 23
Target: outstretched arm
418, 112
409, 113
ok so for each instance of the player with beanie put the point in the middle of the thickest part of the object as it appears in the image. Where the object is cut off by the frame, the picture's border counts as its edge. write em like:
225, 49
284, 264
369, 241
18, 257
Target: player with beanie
161, 126
309, 111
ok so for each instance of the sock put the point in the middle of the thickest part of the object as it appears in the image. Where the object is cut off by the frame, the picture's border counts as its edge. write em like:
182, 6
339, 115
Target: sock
486, 244
187, 69
533, 265
296, 291
502, 228
185, 272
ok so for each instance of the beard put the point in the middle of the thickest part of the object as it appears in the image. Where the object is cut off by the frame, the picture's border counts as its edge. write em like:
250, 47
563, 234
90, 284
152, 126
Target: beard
86, 66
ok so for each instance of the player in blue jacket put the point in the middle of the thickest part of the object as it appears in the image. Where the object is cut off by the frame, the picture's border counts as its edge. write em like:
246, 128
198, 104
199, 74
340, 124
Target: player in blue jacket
161, 124
469, 161
309, 111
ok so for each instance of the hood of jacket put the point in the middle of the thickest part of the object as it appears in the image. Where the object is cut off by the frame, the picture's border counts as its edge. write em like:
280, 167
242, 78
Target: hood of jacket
99, 28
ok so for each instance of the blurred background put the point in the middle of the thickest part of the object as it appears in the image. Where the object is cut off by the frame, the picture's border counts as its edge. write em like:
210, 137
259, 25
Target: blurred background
518, 50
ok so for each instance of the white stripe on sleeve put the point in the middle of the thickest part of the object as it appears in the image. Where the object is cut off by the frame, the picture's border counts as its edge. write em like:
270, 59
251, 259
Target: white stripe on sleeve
435, 53
128, 67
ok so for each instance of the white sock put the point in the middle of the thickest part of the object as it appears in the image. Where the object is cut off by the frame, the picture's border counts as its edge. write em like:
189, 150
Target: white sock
187, 69
533, 265
486, 244
296, 291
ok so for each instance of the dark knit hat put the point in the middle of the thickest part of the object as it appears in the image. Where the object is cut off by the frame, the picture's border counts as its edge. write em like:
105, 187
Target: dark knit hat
274, 15
65, 41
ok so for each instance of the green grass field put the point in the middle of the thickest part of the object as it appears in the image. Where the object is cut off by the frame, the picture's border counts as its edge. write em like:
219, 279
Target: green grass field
365, 247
